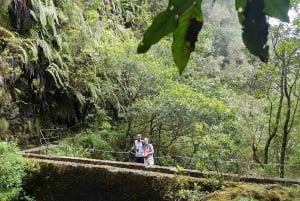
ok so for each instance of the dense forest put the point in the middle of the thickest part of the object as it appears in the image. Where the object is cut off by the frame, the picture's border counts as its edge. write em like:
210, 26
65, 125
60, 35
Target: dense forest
65, 63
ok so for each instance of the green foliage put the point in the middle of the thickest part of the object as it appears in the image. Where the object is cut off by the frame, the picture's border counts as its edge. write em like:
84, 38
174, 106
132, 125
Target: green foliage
252, 16
255, 28
88, 144
4, 6
188, 194
278, 9
184, 18
254, 192
12, 171
185, 36
182, 191
77, 62
66, 149
4, 20
244, 199
49, 39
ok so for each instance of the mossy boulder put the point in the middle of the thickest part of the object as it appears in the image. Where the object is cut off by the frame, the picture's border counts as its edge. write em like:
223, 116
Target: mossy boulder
256, 192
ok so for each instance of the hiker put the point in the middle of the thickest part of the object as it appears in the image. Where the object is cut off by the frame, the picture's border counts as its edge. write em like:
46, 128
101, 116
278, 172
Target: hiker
138, 148
148, 153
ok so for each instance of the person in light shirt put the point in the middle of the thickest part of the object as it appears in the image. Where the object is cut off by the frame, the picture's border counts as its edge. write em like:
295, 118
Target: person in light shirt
137, 147
148, 153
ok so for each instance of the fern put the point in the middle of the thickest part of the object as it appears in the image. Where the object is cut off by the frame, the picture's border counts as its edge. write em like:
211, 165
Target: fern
24, 56
94, 91
56, 74
30, 45
16, 47
81, 99
38, 5
46, 14
6, 33
46, 49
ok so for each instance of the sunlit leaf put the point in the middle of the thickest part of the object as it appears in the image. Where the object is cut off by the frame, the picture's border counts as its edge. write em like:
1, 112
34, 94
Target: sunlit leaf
185, 23
185, 36
164, 23
278, 9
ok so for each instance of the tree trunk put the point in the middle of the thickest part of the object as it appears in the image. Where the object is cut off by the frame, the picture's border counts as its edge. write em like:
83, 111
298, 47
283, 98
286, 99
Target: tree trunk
286, 124
157, 150
273, 132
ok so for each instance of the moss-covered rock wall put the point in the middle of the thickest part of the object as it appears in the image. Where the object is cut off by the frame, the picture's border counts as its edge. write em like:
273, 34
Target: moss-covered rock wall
78, 179
63, 181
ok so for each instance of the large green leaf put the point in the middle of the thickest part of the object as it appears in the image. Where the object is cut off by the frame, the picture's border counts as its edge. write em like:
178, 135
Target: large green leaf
185, 36
278, 9
255, 27
181, 18
240, 5
182, 5
164, 23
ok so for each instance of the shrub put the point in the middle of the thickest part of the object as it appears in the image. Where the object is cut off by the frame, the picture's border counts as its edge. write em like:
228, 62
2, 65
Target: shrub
12, 171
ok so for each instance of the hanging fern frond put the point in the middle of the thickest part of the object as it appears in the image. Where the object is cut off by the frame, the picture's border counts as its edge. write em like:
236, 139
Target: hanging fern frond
56, 73
33, 49
80, 98
45, 13
24, 56
20, 48
46, 49
6, 33
40, 11
94, 91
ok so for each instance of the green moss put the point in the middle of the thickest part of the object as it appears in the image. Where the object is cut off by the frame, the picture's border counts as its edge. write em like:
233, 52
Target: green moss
62, 181
4, 4
253, 192
71, 181
245, 199
5, 33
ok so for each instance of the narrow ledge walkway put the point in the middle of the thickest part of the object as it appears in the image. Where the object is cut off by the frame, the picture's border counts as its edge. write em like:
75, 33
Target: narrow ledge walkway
141, 169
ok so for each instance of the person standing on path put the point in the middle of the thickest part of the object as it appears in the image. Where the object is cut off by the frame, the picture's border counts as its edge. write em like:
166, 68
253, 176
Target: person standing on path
138, 149
148, 153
